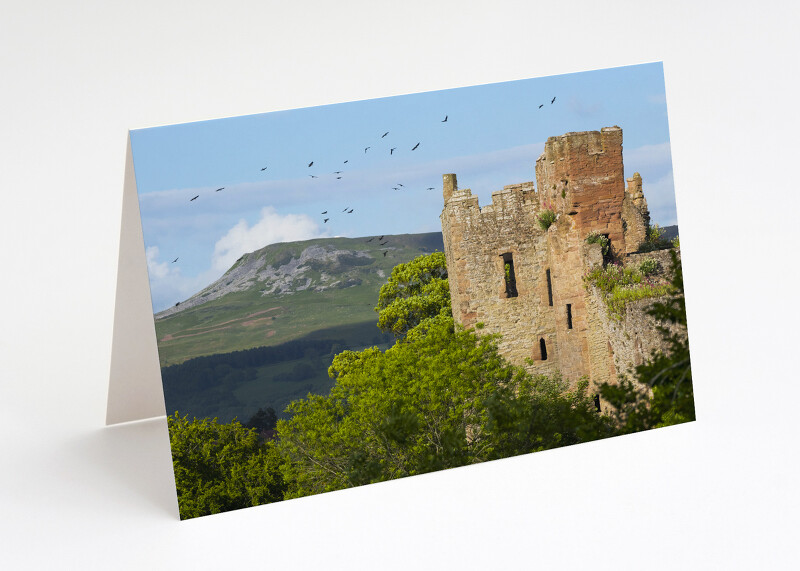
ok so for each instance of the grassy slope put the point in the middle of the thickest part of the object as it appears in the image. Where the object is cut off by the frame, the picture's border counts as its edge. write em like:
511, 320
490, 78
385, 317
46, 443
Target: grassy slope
228, 324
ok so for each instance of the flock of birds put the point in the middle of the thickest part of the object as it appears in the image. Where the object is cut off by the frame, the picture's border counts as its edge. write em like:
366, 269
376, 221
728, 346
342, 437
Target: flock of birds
339, 174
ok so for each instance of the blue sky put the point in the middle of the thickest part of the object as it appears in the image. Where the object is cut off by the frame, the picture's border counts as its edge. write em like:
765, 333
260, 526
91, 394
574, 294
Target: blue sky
492, 137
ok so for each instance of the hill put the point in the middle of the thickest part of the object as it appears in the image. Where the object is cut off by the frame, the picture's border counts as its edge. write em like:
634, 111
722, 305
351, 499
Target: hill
289, 291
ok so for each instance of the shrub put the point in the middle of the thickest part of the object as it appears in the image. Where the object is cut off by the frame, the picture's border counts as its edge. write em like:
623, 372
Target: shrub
648, 266
620, 286
546, 218
595, 238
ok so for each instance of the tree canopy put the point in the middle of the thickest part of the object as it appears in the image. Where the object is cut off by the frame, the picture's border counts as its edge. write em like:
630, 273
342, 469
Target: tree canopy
221, 467
415, 291
441, 398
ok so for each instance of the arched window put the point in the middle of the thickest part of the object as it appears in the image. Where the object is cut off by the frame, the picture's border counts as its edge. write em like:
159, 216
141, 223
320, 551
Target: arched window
543, 349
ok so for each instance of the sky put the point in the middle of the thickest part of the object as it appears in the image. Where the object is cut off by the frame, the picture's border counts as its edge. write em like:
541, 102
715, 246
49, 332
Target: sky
492, 137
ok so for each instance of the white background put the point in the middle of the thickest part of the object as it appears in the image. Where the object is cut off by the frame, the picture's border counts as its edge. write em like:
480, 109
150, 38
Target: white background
74, 77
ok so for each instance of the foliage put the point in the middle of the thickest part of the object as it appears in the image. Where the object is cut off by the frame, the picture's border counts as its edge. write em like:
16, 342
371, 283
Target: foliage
546, 218
676, 242
595, 238
538, 413
263, 420
620, 286
648, 266
654, 241
414, 292
667, 376
221, 467
440, 398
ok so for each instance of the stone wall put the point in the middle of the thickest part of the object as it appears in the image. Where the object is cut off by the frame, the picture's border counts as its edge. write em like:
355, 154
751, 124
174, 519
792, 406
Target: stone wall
548, 320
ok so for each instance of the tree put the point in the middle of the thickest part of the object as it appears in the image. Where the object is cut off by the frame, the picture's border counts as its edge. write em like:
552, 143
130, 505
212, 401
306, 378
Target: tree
415, 291
221, 467
442, 397
263, 420
662, 393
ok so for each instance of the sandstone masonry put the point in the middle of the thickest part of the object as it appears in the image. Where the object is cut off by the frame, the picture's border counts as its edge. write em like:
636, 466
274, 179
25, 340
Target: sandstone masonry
526, 283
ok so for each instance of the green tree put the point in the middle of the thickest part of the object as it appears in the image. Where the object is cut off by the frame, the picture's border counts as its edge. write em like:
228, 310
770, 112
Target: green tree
221, 467
263, 420
662, 392
415, 291
442, 397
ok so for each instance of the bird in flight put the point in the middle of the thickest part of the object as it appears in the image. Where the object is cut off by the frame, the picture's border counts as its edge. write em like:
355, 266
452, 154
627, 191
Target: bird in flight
366, 149
345, 209
445, 119
386, 133
324, 212
325, 221
398, 184
415, 147
311, 163
193, 198
175, 260
384, 254
312, 176
392, 150
350, 211
370, 240
220, 188
381, 238
429, 188
542, 105
395, 188
384, 243
337, 172
346, 161
553, 100
265, 168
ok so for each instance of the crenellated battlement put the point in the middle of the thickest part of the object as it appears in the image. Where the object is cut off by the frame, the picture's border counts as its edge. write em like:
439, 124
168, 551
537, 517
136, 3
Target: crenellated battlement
524, 281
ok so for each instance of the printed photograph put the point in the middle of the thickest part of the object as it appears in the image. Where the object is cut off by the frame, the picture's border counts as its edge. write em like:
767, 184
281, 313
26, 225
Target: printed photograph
364, 291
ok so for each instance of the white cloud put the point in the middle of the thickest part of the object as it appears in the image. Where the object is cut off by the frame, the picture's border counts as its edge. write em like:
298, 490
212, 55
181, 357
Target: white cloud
270, 229
156, 269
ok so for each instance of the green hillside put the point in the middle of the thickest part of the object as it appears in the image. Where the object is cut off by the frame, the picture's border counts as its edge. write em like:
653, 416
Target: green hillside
288, 291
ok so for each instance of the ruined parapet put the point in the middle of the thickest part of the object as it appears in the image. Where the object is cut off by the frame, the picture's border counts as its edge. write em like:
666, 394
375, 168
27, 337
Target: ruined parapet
449, 185
525, 282
635, 215
496, 257
581, 175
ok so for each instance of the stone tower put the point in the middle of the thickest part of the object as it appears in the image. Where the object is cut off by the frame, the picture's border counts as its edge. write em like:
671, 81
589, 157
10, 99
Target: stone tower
525, 282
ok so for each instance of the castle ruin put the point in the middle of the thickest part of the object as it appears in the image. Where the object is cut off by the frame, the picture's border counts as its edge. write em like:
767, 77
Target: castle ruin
515, 278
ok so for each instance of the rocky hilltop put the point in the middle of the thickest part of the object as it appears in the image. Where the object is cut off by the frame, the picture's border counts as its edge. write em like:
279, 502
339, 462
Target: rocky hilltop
285, 291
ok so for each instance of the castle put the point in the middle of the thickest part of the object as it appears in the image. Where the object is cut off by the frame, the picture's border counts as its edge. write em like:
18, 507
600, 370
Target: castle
508, 275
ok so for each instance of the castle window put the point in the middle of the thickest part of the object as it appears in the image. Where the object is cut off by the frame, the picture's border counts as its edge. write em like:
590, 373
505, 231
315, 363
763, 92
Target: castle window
608, 256
543, 349
510, 278
549, 288
569, 316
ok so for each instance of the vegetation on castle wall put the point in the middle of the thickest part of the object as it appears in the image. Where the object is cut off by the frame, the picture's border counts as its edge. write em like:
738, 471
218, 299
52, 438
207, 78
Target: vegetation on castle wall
661, 394
620, 286
546, 218
595, 238
654, 240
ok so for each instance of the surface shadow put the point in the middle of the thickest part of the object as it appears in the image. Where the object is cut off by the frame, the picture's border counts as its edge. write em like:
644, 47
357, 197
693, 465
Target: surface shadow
132, 459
